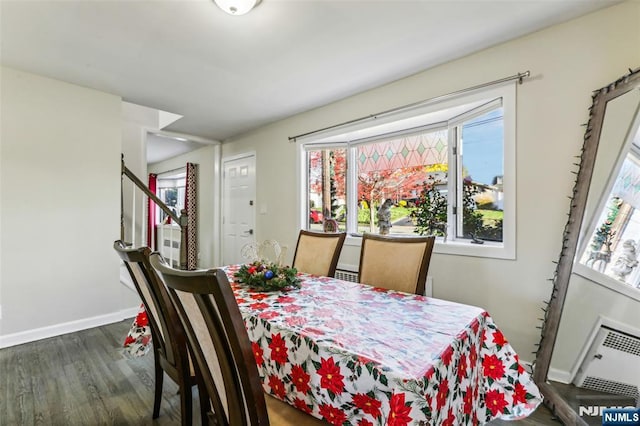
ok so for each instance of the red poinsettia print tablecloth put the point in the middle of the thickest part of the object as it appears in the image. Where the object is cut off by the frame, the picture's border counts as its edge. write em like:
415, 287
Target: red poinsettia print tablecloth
358, 355
138, 341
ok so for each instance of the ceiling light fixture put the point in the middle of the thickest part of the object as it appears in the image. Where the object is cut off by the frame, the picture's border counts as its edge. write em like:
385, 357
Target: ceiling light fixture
237, 7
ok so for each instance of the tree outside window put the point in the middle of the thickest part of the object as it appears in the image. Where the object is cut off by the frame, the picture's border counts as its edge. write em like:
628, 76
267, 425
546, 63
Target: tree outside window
327, 187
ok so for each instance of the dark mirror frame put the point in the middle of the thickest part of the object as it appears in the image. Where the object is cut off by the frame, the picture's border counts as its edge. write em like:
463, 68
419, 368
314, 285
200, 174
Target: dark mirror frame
564, 268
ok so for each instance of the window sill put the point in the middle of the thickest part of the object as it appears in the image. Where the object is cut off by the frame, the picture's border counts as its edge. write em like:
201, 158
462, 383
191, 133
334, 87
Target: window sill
458, 248
606, 281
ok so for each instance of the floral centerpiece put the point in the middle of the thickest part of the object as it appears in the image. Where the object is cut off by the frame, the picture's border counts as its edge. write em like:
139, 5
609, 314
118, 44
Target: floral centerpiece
267, 276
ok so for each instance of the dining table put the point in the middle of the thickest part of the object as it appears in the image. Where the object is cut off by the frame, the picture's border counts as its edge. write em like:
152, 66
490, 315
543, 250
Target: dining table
357, 355
353, 354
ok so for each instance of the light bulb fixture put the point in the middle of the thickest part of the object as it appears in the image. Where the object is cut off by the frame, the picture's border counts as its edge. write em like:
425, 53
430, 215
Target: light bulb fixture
237, 7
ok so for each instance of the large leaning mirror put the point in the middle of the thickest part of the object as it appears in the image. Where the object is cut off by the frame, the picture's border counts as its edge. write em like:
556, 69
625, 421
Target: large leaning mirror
589, 355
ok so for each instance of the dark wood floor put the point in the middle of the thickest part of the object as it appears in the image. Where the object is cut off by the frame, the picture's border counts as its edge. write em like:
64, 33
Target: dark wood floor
84, 379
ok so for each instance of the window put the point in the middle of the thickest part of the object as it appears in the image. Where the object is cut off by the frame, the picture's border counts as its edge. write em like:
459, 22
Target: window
171, 190
446, 169
327, 187
613, 243
396, 170
482, 196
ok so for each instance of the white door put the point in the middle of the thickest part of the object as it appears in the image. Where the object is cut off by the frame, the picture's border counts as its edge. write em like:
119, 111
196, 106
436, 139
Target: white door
238, 199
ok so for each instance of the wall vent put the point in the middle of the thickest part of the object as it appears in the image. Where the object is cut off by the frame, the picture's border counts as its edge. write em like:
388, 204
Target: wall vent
609, 386
622, 342
611, 364
344, 275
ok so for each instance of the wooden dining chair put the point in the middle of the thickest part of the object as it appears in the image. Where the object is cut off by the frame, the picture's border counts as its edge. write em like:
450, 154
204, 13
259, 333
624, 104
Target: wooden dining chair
317, 253
169, 343
220, 345
395, 262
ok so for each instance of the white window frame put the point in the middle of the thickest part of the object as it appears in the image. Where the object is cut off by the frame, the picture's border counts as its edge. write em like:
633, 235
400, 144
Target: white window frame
346, 137
587, 272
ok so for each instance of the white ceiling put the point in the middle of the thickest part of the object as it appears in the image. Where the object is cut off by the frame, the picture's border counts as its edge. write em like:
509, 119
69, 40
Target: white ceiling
160, 148
229, 74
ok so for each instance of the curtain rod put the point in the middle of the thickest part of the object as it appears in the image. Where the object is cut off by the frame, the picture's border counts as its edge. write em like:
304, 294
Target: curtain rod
519, 77
173, 170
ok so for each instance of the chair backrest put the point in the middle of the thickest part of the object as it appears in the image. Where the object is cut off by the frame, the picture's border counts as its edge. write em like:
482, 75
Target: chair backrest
318, 252
395, 262
168, 336
219, 342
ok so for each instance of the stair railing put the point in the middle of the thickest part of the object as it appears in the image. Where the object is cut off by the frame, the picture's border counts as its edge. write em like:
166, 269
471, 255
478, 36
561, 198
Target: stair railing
180, 220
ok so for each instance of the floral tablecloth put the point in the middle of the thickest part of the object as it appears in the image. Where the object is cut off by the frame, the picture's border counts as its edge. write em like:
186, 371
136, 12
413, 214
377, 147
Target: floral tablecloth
358, 355
138, 341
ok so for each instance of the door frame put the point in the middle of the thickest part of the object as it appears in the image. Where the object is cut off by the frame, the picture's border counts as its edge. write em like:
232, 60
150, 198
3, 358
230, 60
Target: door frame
224, 160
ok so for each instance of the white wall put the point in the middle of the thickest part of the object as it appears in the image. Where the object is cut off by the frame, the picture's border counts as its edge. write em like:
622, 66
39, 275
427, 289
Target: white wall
567, 62
136, 120
208, 159
60, 197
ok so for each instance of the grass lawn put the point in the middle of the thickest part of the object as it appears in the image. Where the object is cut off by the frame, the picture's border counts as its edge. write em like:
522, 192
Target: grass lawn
396, 213
491, 217
491, 214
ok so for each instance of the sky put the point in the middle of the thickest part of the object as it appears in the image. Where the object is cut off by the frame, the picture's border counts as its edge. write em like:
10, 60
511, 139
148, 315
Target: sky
482, 140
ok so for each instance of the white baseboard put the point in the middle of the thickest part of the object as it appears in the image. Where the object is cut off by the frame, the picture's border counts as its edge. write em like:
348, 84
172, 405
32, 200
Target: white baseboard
554, 374
66, 327
559, 375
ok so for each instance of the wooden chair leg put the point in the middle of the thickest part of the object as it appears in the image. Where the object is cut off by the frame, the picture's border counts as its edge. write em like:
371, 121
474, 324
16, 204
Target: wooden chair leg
158, 393
204, 403
186, 402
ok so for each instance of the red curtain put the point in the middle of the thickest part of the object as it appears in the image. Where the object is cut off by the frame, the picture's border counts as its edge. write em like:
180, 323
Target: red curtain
151, 213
